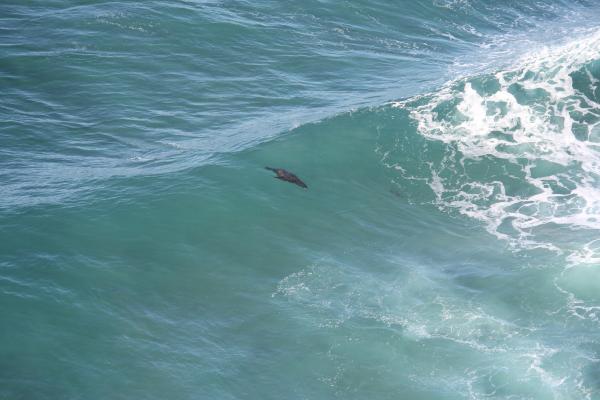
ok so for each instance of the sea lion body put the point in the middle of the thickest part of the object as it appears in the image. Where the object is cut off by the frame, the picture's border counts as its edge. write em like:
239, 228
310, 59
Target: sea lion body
287, 176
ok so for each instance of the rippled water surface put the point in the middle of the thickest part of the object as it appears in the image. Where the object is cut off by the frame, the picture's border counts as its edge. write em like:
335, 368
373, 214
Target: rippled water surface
448, 246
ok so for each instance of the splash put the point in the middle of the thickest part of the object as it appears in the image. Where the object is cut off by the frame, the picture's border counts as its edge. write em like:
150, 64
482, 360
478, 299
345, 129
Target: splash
523, 145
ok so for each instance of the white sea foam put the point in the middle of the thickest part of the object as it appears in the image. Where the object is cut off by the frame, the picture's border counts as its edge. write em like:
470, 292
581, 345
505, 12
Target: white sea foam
533, 118
508, 353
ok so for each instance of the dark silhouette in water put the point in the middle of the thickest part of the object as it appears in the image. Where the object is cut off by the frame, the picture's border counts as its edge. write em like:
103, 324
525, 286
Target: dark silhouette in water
287, 176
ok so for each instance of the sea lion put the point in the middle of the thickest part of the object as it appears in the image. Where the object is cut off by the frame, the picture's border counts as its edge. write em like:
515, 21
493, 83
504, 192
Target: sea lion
287, 176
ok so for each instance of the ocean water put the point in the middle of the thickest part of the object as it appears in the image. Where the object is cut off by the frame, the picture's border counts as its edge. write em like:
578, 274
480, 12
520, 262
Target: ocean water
448, 245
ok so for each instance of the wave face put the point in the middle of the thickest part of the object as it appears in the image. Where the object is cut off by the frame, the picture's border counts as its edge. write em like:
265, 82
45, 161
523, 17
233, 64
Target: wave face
448, 245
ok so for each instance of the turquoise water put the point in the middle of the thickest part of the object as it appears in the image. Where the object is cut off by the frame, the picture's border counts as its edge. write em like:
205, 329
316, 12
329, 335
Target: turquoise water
448, 246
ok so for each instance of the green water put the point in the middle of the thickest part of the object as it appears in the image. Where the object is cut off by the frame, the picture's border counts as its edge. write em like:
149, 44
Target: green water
447, 246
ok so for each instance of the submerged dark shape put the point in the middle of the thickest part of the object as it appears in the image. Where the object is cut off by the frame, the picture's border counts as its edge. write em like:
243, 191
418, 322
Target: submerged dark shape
287, 176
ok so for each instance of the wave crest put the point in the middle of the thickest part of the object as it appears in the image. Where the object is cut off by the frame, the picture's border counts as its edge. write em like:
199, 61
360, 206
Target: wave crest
522, 145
